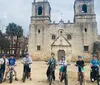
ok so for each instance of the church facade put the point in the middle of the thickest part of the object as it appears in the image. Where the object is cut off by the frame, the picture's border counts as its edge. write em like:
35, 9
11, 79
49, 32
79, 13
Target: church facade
63, 39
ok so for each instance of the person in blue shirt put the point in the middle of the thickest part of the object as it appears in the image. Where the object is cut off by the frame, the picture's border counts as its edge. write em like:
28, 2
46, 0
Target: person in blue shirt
11, 64
94, 63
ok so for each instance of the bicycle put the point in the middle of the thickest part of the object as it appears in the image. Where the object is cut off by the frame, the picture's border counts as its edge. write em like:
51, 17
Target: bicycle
11, 75
50, 74
94, 73
26, 73
80, 75
1, 75
98, 77
64, 75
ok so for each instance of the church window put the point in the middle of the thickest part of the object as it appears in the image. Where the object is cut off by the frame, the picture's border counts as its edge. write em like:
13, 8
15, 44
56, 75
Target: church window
53, 37
40, 10
84, 8
38, 31
86, 48
61, 32
38, 47
69, 37
85, 29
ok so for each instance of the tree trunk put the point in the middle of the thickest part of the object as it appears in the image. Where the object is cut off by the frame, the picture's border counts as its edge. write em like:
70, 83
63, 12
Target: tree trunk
11, 50
16, 47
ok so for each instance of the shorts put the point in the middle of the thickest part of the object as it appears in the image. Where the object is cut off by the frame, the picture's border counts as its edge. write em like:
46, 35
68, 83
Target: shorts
62, 69
82, 69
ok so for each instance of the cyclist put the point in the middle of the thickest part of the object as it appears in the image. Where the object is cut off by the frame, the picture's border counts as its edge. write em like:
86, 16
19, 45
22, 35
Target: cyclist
94, 63
62, 64
80, 63
52, 61
5, 63
1, 63
27, 60
11, 64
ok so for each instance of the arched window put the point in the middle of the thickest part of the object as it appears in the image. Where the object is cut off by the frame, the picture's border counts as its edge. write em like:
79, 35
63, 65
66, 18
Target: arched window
69, 37
84, 8
85, 29
53, 37
38, 31
40, 10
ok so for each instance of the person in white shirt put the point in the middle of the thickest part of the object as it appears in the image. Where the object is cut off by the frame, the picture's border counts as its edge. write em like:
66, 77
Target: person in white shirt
4, 63
27, 60
62, 64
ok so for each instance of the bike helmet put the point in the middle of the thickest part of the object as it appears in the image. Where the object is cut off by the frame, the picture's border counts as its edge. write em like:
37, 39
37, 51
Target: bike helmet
27, 54
63, 57
3, 54
79, 56
94, 55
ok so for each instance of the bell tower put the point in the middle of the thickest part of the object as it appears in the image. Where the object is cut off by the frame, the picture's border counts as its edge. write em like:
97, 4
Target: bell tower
84, 11
41, 10
85, 19
40, 18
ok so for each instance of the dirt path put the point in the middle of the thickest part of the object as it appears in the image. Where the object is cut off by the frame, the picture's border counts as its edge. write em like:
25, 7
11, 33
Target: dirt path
39, 76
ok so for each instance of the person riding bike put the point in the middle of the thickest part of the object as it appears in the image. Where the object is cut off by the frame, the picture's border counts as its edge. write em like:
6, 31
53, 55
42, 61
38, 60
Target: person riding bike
11, 64
27, 60
80, 63
62, 64
1, 63
52, 61
5, 63
94, 63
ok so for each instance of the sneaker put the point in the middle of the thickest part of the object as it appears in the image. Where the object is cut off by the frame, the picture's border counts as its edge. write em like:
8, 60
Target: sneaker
77, 82
53, 82
16, 79
4, 80
31, 79
92, 80
85, 83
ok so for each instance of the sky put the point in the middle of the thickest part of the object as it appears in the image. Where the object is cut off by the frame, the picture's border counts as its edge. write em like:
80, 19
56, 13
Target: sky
19, 12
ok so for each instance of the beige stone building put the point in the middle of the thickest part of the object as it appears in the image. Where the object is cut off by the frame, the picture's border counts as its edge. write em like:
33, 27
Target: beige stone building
64, 39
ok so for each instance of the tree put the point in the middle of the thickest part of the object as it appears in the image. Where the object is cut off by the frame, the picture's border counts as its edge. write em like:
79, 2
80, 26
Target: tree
19, 34
11, 32
4, 43
14, 30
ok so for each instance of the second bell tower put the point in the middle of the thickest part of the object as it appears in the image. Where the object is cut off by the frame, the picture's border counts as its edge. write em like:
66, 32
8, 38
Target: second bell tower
41, 10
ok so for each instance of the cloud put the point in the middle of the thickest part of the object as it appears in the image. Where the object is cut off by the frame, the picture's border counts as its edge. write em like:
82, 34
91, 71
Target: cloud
19, 11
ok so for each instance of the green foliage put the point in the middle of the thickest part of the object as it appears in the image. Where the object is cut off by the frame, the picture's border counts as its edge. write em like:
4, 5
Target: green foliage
14, 30
4, 42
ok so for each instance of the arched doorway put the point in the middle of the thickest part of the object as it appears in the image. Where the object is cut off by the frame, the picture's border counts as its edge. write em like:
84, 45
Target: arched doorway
60, 54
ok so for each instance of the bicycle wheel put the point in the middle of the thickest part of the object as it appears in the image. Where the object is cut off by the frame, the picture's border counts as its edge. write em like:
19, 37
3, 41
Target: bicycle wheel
81, 79
50, 80
1, 78
24, 77
11, 77
98, 80
66, 80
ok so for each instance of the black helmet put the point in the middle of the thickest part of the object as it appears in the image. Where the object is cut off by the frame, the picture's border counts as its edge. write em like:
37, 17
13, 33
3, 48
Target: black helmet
3, 54
79, 56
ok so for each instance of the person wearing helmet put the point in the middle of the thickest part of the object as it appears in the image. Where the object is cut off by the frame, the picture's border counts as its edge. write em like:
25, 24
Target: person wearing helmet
11, 64
80, 63
94, 63
27, 61
51, 61
5, 63
62, 64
